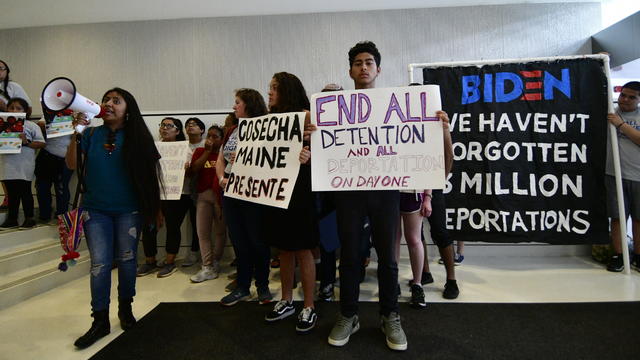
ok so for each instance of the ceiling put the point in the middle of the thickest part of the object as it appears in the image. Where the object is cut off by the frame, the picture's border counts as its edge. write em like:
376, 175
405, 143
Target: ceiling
31, 13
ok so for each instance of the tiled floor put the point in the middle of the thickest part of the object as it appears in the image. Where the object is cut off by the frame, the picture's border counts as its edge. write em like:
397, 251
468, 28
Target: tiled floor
45, 326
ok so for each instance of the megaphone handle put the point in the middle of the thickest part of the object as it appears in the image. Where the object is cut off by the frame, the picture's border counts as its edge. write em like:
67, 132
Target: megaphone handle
80, 128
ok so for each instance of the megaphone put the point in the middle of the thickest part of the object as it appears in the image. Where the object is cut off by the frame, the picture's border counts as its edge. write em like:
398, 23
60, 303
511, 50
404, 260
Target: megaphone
60, 94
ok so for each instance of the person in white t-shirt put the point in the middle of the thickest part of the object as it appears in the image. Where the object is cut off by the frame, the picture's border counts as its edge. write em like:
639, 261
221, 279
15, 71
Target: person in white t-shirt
18, 170
10, 89
626, 119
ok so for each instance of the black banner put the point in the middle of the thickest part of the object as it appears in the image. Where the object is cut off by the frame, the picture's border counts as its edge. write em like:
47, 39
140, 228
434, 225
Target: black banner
529, 143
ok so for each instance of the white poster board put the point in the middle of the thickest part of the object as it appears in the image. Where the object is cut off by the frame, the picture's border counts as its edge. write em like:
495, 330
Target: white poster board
11, 127
266, 166
60, 126
173, 159
377, 139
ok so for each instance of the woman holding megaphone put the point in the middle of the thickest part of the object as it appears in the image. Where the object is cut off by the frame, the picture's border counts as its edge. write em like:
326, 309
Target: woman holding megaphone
122, 195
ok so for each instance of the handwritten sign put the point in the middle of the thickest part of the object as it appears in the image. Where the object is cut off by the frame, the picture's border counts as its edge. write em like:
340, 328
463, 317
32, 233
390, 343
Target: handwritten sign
377, 139
266, 165
174, 157
11, 126
60, 126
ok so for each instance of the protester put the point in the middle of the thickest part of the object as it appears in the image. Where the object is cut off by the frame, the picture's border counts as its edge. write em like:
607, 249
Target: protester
194, 128
174, 212
18, 169
8, 90
294, 231
414, 205
122, 194
209, 206
244, 219
51, 170
382, 207
626, 119
326, 210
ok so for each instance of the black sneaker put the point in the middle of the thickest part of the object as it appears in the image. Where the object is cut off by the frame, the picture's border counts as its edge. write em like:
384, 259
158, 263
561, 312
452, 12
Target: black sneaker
417, 297
282, 309
8, 224
306, 320
635, 262
616, 264
28, 223
451, 290
426, 278
325, 293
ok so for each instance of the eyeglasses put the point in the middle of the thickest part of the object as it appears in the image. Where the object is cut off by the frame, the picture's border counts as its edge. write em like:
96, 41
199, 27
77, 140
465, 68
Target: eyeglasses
3, 68
167, 126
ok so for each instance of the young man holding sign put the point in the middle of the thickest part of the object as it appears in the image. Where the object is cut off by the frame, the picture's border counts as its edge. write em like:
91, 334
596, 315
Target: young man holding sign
382, 208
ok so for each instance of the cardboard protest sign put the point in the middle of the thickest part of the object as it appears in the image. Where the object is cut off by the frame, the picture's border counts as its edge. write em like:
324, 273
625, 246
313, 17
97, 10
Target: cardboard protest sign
529, 150
174, 156
60, 126
266, 166
377, 139
11, 126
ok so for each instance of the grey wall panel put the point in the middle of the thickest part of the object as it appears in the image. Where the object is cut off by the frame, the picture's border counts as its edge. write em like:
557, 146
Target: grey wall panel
195, 64
620, 40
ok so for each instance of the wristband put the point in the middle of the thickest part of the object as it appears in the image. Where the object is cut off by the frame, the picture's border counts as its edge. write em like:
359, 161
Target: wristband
619, 125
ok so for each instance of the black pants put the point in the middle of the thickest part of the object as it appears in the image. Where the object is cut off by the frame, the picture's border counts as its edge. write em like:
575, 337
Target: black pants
383, 210
19, 191
438, 220
195, 242
174, 213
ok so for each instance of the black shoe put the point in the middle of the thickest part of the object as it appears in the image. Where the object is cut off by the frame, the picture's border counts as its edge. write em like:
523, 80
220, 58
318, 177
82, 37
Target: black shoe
99, 329
363, 273
125, 314
417, 297
616, 264
451, 290
635, 262
8, 224
426, 278
306, 320
281, 310
325, 293
28, 223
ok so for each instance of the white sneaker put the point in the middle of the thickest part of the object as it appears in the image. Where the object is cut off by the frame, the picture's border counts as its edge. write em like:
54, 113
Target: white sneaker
191, 259
206, 273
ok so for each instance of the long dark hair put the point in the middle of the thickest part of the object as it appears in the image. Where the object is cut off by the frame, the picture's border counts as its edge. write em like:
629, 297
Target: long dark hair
4, 92
291, 94
141, 158
253, 102
179, 127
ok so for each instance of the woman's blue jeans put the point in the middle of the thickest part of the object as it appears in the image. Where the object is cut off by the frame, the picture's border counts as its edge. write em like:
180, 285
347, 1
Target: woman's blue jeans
112, 236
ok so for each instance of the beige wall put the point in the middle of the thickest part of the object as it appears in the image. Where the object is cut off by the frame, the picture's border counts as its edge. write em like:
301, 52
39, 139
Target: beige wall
195, 64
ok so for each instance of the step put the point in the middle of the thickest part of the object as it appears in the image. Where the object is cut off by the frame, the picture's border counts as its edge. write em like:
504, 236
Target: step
13, 239
23, 284
33, 255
